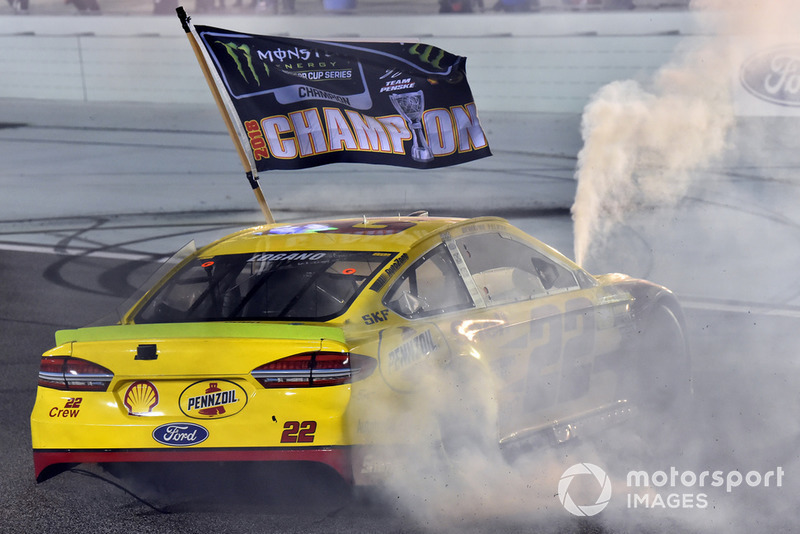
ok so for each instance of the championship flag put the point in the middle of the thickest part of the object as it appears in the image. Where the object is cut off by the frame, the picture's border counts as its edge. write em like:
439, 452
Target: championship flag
298, 103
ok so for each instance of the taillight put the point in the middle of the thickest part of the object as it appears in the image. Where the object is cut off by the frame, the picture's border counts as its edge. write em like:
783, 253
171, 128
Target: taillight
63, 372
314, 369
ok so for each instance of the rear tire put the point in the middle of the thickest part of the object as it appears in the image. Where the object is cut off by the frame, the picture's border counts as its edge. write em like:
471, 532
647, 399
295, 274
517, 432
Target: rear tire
661, 384
664, 369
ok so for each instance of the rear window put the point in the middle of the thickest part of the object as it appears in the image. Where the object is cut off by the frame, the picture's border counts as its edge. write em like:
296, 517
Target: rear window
310, 285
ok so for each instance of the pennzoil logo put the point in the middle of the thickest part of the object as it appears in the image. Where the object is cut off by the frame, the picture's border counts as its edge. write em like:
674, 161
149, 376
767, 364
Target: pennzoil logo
212, 399
140, 398
417, 348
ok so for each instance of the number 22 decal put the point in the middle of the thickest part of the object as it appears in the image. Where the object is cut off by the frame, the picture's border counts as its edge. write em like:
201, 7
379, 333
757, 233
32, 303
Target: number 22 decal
74, 403
567, 337
299, 432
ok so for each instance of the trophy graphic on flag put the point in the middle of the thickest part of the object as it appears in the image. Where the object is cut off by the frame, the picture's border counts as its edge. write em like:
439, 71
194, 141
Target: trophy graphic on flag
411, 106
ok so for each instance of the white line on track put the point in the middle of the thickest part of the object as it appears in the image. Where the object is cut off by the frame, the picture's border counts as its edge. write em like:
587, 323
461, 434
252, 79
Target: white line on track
753, 308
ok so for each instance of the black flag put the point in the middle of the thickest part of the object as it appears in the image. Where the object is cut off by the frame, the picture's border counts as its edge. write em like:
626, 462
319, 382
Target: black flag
298, 103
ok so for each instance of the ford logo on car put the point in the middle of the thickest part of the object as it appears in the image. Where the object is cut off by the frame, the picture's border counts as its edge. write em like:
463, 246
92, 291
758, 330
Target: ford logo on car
180, 434
774, 75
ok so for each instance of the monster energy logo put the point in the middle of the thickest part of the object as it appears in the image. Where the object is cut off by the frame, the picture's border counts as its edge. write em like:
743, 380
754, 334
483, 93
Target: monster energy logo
284, 59
427, 54
234, 51
279, 54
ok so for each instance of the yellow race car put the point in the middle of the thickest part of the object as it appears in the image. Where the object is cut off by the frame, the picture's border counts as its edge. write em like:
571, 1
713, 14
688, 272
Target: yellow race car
331, 341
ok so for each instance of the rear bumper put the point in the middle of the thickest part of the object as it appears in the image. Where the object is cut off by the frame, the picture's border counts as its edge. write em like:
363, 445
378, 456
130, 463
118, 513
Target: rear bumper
48, 463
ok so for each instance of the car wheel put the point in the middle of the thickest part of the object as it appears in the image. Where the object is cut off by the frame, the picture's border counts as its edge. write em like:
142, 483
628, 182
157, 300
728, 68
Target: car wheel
661, 383
664, 369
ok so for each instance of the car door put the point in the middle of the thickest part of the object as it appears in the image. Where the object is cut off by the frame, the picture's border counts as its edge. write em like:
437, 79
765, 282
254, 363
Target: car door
542, 329
428, 290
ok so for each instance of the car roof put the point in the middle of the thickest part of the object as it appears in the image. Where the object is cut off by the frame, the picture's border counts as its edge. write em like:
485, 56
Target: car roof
369, 234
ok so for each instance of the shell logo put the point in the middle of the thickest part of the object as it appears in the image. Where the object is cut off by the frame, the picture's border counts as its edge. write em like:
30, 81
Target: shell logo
213, 399
140, 398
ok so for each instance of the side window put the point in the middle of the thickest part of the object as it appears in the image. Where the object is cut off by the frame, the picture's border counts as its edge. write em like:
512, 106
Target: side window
430, 286
506, 270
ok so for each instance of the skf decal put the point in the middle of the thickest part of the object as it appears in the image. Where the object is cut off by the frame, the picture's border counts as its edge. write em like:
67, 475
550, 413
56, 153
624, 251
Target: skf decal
71, 408
180, 434
212, 399
412, 351
375, 317
140, 398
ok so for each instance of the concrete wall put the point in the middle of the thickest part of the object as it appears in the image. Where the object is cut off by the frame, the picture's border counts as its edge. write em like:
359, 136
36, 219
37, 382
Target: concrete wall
538, 62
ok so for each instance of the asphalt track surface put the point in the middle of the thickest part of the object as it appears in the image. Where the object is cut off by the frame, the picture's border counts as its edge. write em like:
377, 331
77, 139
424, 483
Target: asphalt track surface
93, 195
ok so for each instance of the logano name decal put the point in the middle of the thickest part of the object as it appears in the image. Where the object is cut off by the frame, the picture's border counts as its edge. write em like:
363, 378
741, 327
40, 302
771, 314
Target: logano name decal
314, 131
287, 256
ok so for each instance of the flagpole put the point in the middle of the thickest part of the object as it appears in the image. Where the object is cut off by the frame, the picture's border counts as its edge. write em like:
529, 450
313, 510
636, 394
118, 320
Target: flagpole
213, 83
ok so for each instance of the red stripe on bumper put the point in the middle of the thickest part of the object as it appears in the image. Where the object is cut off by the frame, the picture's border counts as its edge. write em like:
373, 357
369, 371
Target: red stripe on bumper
338, 458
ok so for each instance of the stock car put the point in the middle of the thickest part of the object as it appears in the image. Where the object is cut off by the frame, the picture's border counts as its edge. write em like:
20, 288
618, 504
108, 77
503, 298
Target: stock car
327, 341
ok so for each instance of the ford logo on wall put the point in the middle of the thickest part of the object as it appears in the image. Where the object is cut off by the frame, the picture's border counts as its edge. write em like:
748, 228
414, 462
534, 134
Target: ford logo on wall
180, 434
774, 75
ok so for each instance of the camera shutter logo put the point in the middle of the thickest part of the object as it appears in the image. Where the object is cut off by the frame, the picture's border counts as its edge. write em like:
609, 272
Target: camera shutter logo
585, 509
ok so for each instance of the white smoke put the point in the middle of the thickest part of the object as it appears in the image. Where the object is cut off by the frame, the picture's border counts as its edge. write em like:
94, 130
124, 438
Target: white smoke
646, 145
447, 478
643, 140
668, 161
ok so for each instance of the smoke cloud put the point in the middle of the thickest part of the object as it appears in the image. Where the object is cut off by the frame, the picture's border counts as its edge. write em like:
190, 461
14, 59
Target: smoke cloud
667, 164
677, 184
643, 140
450, 476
